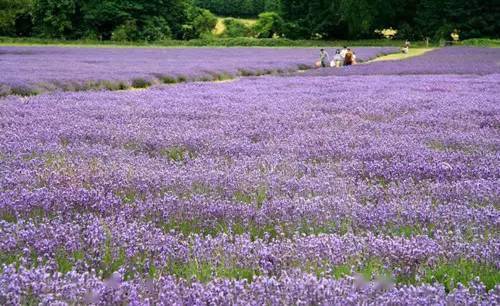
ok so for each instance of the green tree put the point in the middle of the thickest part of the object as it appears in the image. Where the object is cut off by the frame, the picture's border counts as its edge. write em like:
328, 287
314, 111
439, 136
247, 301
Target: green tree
104, 16
53, 18
204, 22
236, 28
156, 28
15, 17
268, 24
430, 17
270, 6
472, 18
201, 22
359, 17
239, 8
125, 32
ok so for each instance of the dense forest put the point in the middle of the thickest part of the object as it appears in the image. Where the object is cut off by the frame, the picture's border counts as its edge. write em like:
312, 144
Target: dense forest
295, 19
239, 8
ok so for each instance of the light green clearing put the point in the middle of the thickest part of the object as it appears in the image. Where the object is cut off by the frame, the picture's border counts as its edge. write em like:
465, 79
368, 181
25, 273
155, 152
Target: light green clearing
401, 56
220, 27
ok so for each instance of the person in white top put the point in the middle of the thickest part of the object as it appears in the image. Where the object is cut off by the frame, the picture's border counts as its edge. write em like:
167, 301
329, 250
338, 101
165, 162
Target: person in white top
337, 59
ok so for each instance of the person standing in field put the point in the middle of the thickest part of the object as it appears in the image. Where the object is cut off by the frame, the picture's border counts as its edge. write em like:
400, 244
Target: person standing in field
343, 52
354, 62
337, 59
348, 58
406, 48
324, 58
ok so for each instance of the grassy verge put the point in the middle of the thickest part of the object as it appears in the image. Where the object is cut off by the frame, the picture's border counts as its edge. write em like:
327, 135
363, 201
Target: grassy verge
482, 42
209, 42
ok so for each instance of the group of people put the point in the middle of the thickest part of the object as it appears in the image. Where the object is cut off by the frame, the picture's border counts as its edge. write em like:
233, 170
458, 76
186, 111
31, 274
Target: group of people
344, 57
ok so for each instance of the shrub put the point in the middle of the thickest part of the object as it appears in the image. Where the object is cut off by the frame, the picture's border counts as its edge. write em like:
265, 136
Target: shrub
125, 32
4, 90
168, 79
268, 24
24, 90
406, 32
156, 28
23, 23
91, 36
204, 22
292, 30
140, 83
188, 32
482, 42
444, 32
236, 28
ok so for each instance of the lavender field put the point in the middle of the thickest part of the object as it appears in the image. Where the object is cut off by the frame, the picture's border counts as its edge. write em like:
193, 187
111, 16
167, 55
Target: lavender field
313, 189
31, 70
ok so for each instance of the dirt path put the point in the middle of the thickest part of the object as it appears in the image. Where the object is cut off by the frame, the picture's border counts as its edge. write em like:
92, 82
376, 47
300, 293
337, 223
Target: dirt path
401, 56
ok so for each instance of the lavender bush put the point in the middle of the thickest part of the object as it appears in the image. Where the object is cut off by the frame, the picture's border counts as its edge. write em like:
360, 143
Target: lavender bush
304, 190
30, 70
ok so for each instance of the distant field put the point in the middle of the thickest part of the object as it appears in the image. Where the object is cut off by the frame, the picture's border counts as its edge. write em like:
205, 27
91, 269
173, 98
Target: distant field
27, 70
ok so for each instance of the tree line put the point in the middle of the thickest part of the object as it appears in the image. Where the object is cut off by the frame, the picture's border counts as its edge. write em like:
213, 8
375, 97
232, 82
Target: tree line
414, 19
104, 19
239, 8
294, 19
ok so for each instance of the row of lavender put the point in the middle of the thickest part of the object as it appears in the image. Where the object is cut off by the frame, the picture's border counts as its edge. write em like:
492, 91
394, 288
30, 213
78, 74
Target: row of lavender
30, 70
290, 289
261, 191
137, 247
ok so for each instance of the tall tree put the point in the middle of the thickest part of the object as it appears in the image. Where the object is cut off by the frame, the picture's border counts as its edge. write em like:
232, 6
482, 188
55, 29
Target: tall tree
54, 18
474, 18
15, 17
